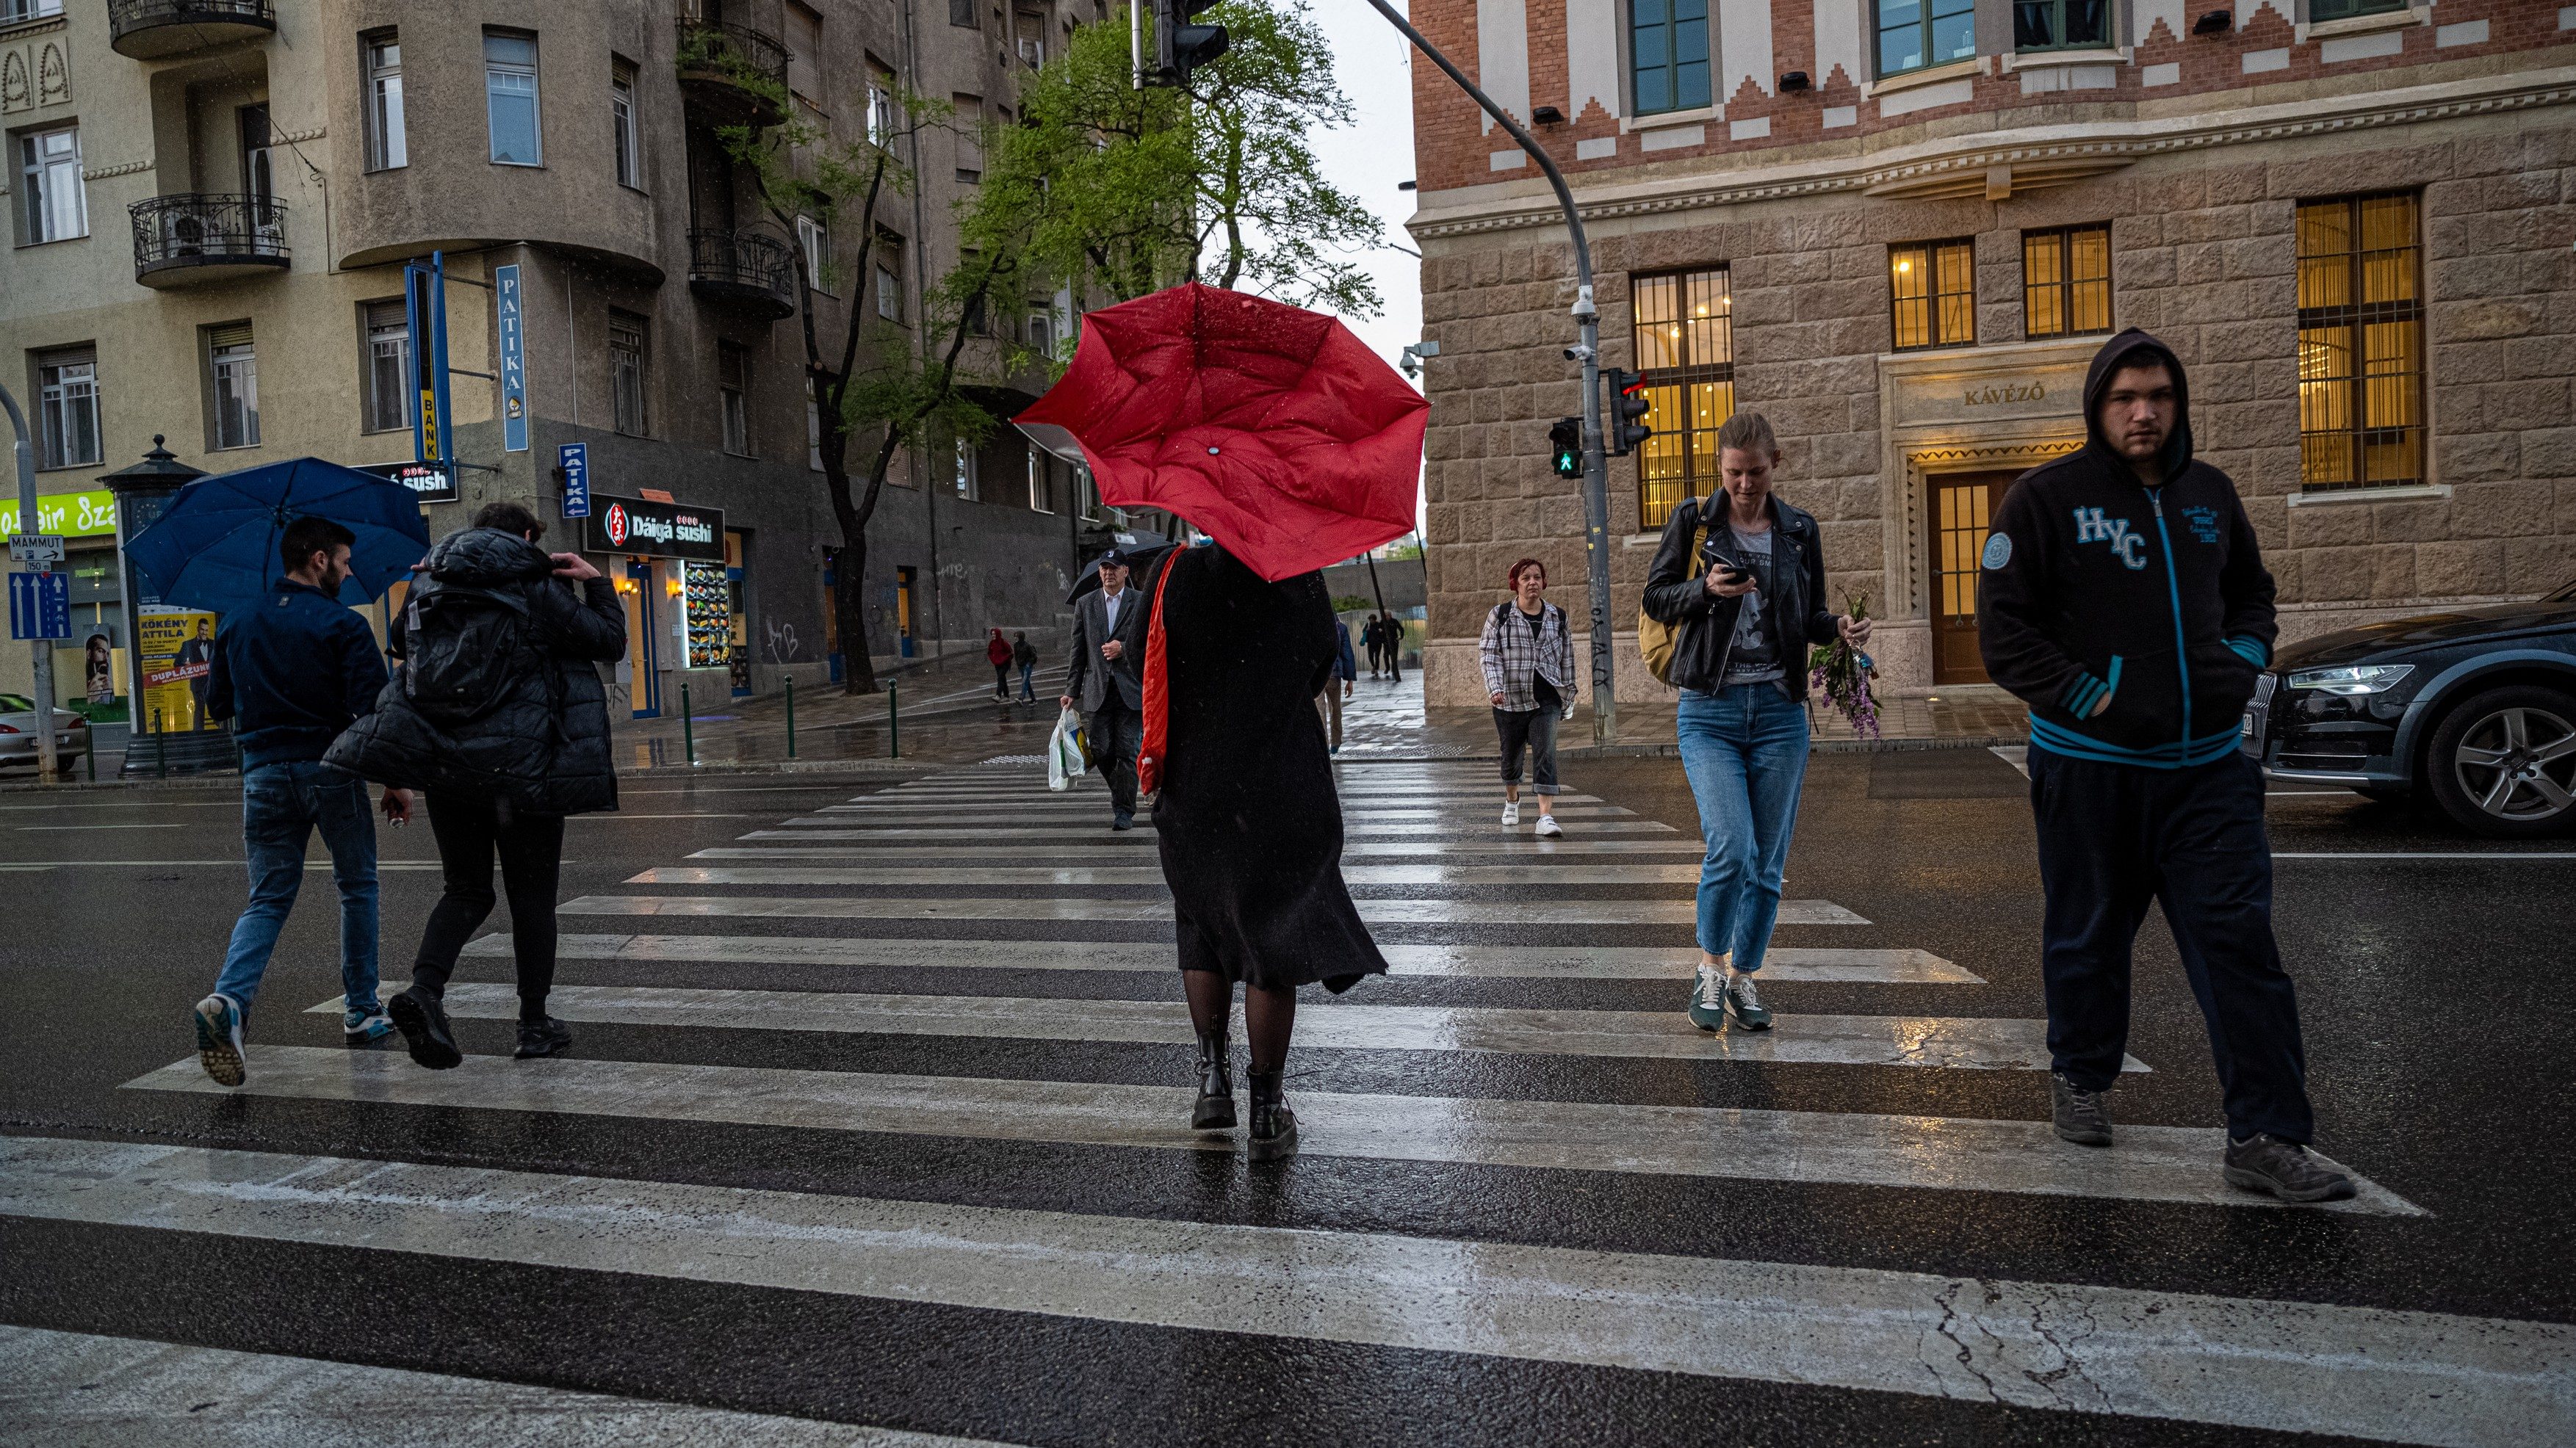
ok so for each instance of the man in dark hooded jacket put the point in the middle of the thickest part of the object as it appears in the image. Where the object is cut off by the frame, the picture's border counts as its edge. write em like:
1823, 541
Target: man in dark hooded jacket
2126, 602
502, 781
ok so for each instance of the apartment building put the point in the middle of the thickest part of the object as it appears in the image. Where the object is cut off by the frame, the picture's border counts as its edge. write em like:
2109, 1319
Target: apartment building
212, 202
1900, 229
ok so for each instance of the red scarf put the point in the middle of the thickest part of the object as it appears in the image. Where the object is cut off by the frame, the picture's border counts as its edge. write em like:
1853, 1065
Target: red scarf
1158, 691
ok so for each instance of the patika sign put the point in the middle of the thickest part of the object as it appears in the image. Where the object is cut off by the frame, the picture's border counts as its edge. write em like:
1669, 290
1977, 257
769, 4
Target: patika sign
655, 530
74, 515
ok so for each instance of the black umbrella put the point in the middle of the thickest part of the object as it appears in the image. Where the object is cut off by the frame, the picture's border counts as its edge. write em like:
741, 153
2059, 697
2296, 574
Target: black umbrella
1139, 547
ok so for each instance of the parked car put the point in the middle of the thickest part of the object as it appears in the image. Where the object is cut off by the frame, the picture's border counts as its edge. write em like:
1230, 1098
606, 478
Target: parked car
2473, 707
18, 735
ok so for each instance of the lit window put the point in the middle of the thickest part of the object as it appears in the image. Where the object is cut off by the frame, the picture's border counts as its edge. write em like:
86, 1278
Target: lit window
1668, 49
621, 119
1684, 343
1915, 33
510, 97
2361, 343
49, 177
234, 385
2066, 281
1935, 289
67, 411
385, 145
388, 402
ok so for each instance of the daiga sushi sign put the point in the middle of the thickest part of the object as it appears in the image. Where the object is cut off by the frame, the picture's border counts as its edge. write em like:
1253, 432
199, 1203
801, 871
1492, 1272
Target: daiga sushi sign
654, 530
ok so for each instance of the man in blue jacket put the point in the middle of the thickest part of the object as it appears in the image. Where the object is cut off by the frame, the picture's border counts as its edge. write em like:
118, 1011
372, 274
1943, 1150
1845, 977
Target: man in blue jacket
293, 671
2125, 600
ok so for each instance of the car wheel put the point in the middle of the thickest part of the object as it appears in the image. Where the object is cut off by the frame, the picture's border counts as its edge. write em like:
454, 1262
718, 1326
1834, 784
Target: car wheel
2504, 762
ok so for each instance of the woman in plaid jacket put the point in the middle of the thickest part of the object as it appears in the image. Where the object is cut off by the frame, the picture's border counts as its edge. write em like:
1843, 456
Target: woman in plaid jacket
1528, 654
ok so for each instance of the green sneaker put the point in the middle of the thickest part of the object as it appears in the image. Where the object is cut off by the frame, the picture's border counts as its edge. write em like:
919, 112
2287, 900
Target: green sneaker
1744, 1004
1708, 998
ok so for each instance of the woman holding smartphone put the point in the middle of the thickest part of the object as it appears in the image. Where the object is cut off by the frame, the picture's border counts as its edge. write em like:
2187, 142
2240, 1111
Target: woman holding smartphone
1741, 578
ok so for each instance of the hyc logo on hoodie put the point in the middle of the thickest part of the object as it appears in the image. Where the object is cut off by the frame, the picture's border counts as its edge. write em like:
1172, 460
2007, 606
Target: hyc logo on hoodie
2092, 527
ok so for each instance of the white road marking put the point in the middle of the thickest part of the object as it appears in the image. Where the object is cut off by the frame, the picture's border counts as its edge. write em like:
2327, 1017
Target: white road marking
2424, 854
2016, 755
1080, 875
2239, 1362
1474, 846
615, 815
1376, 912
954, 832
1784, 963
33, 829
2153, 1163
67, 1388
1974, 1043
1048, 810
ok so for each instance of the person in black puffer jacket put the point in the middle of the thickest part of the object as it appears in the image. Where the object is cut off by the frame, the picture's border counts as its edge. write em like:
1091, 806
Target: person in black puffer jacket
502, 781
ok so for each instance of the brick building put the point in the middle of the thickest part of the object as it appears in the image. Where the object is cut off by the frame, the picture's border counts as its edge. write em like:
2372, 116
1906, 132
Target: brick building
1900, 228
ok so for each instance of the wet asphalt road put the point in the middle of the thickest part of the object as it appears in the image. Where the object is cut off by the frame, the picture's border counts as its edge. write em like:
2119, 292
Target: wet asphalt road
2434, 992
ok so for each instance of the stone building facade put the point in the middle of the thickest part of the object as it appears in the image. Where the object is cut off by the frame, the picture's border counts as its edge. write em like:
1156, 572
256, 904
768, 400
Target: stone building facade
211, 208
1901, 228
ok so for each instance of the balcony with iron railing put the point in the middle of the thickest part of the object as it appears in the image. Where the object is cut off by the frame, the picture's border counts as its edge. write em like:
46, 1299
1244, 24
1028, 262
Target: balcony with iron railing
743, 269
152, 29
732, 75
195, 239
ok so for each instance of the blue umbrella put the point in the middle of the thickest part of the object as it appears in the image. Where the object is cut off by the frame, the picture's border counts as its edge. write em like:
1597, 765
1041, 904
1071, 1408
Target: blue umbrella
216, 546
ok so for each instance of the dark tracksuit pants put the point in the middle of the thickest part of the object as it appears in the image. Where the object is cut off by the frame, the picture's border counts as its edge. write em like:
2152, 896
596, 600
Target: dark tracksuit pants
472, 829
1115, 732
2111, 838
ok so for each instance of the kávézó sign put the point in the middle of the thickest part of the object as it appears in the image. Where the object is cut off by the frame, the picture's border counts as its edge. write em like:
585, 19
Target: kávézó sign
654, 530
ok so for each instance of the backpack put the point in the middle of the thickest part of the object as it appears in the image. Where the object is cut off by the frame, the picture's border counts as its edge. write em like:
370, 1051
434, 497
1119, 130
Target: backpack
1656, 639
462, 650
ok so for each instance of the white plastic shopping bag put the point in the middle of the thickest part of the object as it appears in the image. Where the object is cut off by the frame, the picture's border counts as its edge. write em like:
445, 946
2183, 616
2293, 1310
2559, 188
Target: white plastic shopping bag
1064, 752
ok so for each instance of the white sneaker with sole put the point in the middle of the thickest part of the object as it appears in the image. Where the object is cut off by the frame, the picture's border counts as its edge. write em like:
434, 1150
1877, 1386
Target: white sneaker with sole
1547, 827
1511, 811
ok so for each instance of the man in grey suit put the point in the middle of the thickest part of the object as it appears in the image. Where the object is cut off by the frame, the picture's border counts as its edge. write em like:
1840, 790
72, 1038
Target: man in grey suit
1107, 679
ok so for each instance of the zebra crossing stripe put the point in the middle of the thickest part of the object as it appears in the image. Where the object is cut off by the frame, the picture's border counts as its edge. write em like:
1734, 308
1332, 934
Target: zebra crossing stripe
1076, 832
2153, 1163
2238, 1362
77, 1388
1079, 875
1593, 962
842, 814
1971, 1043
1491, 847
1159, 911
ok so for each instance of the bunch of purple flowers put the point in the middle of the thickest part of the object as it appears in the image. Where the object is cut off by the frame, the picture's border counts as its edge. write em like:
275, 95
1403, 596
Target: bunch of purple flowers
1842, 674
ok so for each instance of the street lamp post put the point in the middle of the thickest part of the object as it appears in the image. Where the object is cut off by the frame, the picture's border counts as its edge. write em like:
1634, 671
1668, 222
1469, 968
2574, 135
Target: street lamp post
48, 763
1596, 477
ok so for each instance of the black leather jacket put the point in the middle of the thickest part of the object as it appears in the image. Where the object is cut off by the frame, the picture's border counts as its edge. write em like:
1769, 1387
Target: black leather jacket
1676, 594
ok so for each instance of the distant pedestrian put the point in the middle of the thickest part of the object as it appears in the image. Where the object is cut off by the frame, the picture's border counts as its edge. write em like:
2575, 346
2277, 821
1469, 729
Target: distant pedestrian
498, 711
1528, 657
1373, 638
1390, 633
1741, 576
1024, 657
1249, 826
1338, 684
1106, 680
293, 672
2131, 553
997, 652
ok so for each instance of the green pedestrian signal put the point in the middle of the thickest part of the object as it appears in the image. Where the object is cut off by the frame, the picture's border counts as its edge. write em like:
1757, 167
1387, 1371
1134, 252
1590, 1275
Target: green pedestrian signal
1565, 446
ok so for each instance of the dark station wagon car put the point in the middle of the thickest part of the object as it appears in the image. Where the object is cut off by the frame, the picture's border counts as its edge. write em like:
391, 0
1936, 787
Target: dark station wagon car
2473, 707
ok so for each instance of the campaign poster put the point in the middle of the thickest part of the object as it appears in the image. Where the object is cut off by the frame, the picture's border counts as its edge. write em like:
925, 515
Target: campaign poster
174, 651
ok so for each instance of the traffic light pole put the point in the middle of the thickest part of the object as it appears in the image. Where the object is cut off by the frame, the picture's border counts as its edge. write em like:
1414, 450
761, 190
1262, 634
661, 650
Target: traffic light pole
1596, 474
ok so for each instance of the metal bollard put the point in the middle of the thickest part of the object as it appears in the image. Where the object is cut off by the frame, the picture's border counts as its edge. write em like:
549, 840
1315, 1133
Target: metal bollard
791, 716
688, 727
160, 749
894, 725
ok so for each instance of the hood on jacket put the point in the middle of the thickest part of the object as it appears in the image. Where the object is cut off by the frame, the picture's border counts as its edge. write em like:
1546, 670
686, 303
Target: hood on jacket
487, 558
2132, 348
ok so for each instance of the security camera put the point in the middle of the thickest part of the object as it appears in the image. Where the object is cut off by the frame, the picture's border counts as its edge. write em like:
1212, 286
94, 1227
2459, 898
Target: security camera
1579, 353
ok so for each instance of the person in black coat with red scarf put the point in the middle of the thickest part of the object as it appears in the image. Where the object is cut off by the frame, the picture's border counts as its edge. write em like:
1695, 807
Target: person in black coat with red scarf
1249, 824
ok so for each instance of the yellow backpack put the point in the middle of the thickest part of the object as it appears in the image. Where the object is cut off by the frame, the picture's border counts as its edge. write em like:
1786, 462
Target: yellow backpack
1655, 638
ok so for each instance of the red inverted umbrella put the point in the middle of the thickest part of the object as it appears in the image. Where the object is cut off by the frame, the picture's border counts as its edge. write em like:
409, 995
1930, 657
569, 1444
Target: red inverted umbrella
1270, 427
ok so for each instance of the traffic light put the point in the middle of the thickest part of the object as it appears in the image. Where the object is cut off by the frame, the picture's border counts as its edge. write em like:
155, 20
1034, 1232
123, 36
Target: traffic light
1180, 48
1628, 404
1565, 446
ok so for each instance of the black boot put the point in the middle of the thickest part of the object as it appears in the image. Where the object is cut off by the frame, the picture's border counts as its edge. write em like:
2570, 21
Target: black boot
1274, 1126
1214, 1110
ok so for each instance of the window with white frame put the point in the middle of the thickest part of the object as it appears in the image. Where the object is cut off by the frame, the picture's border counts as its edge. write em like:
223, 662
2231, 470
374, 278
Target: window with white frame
880, 105
510, 97
1041, 333
67, 412
626, 362
49, 178
733, 396
388, 380
14, 10
1041, 484
813, 428
968, 485
970, 137
1913, 34
232, 386
382, 53
816, 238
621, 119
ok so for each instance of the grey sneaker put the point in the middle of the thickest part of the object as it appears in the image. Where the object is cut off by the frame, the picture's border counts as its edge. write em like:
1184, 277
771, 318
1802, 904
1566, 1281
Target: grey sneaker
366, 1025
1744, 1004
219, 1039
2265, 1163
2079, 1114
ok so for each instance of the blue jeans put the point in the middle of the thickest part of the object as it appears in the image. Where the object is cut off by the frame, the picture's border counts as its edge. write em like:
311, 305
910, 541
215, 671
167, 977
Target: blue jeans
281, 806
1745, 750
1027, 694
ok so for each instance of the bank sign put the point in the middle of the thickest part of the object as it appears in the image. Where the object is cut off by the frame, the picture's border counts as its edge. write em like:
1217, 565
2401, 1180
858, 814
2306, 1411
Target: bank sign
655, 530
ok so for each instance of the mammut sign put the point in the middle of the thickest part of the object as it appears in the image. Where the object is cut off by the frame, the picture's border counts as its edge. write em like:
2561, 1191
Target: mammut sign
655, 530
1996, 393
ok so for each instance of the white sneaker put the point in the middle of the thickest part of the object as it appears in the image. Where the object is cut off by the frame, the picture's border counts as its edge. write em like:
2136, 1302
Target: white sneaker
1547, 829
1511, 811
